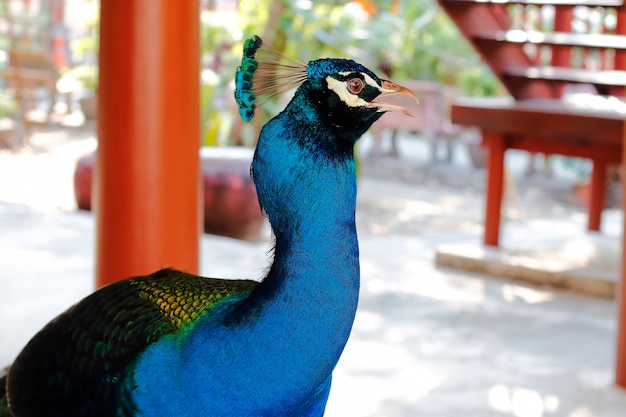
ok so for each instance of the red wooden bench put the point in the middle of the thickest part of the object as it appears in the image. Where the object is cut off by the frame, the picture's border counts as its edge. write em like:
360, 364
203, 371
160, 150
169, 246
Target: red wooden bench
582, 126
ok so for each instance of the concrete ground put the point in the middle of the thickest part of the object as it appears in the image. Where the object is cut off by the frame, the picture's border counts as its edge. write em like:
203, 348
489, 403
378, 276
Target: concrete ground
427, 341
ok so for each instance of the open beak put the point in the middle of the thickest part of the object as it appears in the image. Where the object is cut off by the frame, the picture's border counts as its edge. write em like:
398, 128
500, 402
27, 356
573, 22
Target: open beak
389, 89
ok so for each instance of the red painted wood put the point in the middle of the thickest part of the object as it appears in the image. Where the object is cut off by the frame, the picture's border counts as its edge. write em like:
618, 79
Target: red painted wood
559, 39
606, 82
473, 17
495, 186
545, 126
620, 55
561, 57
597, 197
610, 154
620, 363
558, 3
488, 27
148, 182
576, 122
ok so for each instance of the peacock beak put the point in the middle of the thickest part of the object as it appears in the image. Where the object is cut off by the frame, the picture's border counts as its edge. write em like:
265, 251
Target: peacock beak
389, 89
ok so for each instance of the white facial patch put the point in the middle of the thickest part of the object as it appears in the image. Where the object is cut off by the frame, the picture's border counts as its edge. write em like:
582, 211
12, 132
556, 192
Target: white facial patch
340, 88
369, 80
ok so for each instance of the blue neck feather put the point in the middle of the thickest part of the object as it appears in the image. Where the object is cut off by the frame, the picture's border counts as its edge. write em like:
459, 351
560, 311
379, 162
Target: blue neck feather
292, 329
315, 276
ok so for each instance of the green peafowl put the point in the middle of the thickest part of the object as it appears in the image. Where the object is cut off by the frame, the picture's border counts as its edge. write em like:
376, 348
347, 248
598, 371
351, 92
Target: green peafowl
174, 344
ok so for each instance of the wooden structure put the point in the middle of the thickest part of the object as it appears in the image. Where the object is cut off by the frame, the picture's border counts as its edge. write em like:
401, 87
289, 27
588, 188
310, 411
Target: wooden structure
542, 51
148, 182
33, 36
26, 72
581, 126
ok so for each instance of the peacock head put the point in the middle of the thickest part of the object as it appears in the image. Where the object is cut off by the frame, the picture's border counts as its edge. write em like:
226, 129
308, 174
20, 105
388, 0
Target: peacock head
351, 96
304, 164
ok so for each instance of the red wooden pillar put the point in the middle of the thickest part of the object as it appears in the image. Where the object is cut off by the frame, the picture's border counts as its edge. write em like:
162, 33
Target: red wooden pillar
561, 57
620, 56
620, 365
597, 196
57, 12
495, 186
148, 179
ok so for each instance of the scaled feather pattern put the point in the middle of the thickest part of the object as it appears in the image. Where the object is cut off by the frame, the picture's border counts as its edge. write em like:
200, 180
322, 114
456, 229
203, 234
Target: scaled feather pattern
175, 344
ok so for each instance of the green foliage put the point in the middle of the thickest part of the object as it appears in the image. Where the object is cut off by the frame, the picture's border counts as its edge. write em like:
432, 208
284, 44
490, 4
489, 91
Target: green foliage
85, 46
86, 74
414, 39
85, 49
404, 39
219, 60
8, 105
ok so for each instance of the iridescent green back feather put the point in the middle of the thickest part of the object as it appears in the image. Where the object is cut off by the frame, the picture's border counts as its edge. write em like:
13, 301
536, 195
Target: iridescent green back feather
90, 349
183, 298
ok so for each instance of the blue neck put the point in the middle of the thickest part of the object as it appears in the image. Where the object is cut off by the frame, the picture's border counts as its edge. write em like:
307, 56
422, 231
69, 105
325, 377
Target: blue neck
315, 276
276, 349
305, 307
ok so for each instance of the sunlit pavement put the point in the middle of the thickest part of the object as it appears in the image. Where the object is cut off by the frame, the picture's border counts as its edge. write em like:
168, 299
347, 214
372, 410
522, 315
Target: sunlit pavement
427, 341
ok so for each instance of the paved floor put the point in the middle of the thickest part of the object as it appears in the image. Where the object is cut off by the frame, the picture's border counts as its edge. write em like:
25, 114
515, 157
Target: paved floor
427, 341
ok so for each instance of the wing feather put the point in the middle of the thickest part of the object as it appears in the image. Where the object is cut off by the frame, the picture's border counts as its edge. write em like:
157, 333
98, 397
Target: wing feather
78, 363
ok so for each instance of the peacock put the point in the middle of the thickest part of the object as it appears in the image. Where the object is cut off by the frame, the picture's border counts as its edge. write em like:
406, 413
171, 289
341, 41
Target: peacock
176, 344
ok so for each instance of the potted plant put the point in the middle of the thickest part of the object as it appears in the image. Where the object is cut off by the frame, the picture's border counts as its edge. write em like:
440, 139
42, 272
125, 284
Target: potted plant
87, 77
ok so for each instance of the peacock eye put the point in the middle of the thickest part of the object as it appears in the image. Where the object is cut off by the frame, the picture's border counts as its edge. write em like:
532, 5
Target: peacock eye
355, 85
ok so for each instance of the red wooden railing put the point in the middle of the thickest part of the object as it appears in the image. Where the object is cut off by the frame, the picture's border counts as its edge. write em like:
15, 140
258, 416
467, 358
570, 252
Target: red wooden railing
539, 47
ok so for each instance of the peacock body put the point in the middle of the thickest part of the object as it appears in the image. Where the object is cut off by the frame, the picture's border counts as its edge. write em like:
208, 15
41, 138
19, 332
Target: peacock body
174, 344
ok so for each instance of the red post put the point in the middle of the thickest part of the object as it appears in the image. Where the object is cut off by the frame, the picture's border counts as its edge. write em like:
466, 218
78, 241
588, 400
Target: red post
57, 11
620, 364
148, 179
597, 195
620, 56
561, 57
495, 186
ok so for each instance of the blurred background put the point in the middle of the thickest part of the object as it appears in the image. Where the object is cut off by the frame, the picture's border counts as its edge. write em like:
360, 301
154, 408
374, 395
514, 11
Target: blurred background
58, 40
427, 340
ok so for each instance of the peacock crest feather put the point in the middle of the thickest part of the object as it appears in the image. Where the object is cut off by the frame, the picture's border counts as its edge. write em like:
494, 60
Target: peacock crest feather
264, 74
